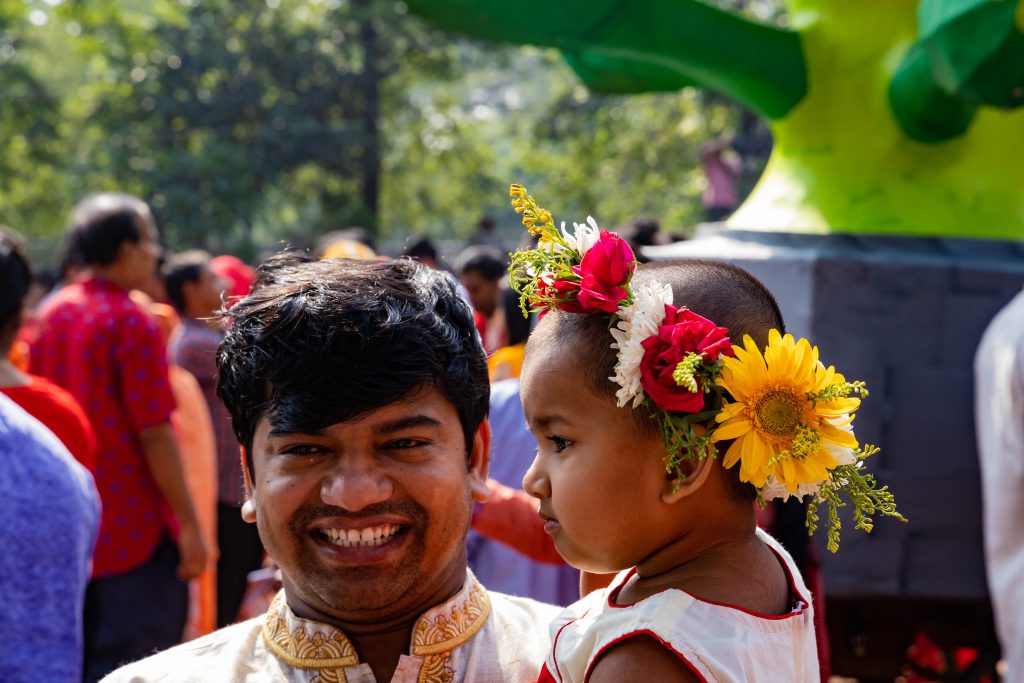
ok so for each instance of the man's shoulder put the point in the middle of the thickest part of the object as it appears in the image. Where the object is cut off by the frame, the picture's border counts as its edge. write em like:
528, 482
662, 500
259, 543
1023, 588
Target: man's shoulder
515, 608
224, 655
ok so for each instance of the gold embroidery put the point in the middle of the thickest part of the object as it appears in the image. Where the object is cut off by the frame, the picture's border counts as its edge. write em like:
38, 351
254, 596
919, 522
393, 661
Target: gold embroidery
325, 650
436, 635
322, 648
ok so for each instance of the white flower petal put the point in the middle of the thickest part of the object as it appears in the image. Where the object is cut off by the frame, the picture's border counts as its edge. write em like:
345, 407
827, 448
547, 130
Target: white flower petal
637, 322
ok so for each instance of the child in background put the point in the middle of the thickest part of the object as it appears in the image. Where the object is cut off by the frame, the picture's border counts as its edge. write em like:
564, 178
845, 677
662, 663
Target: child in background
634, 388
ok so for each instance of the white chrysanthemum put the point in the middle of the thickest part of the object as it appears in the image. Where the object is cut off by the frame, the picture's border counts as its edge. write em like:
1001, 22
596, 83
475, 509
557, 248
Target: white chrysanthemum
585, 235
773, 488
637, 322
843, 456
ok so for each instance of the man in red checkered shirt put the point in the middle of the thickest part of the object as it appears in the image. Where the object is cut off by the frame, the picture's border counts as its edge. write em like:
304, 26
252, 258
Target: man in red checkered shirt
107, 352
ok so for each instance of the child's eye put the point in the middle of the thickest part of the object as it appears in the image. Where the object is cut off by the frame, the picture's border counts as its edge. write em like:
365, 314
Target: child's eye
559, 443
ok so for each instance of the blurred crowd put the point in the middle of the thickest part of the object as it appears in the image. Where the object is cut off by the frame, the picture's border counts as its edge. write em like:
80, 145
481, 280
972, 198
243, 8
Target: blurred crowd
115, 355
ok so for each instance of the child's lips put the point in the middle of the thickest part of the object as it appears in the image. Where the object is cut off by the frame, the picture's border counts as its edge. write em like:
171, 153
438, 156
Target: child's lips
551, 524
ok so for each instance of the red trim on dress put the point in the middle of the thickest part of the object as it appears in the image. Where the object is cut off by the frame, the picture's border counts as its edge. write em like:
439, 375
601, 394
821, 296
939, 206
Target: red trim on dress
634, 634
554, 645
614, 592
545, 675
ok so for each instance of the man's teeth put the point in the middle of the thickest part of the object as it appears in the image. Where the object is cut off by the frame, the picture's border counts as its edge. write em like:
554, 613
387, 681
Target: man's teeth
353, 538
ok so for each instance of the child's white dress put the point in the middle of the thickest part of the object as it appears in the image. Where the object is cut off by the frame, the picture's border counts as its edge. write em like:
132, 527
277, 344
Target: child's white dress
718, 642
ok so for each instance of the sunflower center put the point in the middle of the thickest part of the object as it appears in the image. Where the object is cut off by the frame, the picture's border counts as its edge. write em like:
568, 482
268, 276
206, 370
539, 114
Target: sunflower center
779, 412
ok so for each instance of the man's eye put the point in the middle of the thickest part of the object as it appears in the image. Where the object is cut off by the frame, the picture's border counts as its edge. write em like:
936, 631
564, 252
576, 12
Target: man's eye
302, 449
402, 444
559, 443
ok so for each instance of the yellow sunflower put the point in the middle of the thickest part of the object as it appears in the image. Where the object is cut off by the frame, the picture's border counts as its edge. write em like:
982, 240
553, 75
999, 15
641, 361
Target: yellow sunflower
788, 410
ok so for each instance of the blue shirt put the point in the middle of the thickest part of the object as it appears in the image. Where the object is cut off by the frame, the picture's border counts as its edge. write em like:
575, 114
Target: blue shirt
49, 518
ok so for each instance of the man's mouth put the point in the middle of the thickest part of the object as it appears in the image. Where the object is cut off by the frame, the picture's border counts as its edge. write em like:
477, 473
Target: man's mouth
360, 538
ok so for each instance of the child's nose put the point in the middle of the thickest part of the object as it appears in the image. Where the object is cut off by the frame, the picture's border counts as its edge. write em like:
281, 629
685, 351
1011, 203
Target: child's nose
535, 481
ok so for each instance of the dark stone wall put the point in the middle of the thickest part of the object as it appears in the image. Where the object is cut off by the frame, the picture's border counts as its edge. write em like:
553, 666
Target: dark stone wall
905, 315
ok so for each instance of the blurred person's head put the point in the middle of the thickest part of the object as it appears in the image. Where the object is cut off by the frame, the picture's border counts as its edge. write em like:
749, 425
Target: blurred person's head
421, 248
114, 235
353, 234
193, 288
15, 283
642, 231
480, 271
235, 272
359, 392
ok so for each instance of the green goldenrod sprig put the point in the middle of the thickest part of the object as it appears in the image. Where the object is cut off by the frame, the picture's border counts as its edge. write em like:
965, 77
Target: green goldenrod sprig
861, 490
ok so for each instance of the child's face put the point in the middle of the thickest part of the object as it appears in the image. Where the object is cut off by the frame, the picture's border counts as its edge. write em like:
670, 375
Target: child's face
598, 477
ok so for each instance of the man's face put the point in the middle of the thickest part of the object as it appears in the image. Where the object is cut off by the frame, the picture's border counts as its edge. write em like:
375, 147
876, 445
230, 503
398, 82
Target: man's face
203, 296
483, 293
141, 257
368, 518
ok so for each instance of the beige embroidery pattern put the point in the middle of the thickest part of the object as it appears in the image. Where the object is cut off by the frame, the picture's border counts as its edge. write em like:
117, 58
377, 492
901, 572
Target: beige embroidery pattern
437, 635
328, 651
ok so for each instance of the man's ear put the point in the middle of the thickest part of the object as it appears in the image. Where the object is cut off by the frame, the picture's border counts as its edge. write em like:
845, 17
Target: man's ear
694, 476
249, 506
480, 462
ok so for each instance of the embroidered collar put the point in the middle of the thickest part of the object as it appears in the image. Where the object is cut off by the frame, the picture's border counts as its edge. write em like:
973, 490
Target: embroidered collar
313, 645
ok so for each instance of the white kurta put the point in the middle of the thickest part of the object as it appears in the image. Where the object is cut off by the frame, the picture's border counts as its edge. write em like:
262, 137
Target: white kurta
999, 424
719, 643
474, 636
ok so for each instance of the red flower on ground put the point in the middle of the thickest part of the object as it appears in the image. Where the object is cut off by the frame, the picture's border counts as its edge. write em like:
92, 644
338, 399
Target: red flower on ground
681, 333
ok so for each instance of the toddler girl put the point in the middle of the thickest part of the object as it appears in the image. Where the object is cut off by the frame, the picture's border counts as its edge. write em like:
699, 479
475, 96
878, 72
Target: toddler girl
665, 401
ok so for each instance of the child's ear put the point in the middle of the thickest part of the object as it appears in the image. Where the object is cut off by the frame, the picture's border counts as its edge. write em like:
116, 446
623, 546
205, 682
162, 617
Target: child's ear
694, 475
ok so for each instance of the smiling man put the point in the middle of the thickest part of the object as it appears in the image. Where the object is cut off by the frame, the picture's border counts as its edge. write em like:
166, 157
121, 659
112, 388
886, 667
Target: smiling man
358, 390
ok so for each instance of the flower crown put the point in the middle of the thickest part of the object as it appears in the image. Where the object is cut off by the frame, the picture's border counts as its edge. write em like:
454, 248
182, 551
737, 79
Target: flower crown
788, 416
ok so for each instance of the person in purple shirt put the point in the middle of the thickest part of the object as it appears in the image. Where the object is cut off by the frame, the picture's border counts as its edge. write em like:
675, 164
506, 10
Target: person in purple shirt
49, 518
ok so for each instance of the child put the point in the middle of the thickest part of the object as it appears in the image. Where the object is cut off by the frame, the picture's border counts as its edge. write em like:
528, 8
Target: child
659, 423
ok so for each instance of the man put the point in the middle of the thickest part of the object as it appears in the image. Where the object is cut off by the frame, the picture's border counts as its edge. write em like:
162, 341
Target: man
44, 494
480, 272
358, 390
101, 347
196, 293
999, 423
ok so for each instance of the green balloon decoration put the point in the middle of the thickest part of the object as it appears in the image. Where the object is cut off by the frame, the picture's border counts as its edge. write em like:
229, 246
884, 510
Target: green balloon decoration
890, 116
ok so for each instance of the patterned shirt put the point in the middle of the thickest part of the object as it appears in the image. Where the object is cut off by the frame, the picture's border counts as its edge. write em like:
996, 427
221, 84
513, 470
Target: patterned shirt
49, 515
474, 637
194, 347
107, 352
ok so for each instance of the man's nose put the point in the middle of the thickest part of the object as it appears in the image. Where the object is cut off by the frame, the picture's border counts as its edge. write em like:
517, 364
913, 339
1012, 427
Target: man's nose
356, 483
535, 481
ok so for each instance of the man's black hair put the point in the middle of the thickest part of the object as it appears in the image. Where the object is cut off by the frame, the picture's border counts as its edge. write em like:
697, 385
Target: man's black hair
726, 295
180, 269
331, 341
490, 262
15, 281
101, 223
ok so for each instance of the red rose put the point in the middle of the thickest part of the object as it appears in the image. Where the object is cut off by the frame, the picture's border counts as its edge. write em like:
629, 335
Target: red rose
682, 332
564, 292
604, 271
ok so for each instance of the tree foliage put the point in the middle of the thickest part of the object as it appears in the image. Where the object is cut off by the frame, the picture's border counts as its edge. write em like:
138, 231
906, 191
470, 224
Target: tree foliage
244, 124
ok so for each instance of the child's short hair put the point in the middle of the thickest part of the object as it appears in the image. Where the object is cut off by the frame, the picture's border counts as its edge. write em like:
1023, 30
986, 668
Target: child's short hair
723, 293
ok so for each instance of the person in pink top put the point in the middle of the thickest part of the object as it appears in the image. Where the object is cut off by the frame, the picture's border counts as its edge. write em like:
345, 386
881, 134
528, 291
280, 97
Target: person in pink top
97, 344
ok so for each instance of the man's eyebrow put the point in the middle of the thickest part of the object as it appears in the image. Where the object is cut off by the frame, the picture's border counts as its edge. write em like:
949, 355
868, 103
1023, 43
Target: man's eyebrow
293, 430
410, 422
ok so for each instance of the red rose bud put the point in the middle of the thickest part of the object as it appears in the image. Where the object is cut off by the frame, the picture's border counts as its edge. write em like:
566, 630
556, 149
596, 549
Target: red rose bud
604, 270
681, 333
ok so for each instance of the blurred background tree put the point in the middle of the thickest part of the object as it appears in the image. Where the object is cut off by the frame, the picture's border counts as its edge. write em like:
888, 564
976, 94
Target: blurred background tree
245, 124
